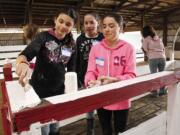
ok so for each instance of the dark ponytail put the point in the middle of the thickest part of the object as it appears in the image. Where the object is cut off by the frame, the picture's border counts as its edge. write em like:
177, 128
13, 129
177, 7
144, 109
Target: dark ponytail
118, 18
69, 40
148, 30
70, 12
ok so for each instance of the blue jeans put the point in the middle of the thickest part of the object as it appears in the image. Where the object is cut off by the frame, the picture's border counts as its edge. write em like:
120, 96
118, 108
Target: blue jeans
90, 115
51, 129
157, 65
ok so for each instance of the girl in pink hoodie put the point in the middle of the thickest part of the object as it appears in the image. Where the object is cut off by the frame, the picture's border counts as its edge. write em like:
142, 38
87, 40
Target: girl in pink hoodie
111, 60
154, 49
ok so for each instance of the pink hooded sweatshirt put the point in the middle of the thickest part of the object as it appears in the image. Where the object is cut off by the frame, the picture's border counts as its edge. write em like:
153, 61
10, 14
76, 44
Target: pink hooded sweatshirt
119, 62
153, 47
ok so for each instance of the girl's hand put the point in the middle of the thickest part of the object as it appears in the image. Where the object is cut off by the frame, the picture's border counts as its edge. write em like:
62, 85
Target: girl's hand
107, 79
93, 83
24, 72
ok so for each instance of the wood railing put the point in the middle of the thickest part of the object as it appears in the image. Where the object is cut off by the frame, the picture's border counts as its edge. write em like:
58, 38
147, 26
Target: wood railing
8, 54
83, 101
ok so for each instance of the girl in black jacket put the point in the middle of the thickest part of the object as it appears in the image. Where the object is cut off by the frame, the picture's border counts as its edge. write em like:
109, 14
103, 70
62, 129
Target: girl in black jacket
84, 43
55, 52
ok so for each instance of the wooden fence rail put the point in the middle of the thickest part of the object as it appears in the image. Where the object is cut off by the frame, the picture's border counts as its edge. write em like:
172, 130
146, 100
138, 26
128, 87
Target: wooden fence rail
68, 105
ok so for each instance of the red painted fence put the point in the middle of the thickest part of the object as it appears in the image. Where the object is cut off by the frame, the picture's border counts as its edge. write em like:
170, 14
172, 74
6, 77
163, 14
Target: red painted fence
21, 121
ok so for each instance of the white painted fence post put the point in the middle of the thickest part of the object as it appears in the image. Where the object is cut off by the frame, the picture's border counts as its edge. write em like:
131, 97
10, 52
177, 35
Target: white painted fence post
173, 110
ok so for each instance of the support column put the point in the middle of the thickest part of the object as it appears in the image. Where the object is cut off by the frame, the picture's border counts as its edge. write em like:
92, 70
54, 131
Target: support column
143, 23
165, 30
173, 110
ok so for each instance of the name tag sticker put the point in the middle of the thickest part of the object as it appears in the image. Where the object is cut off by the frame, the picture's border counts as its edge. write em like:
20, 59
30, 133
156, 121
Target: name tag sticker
100, 61
66, 52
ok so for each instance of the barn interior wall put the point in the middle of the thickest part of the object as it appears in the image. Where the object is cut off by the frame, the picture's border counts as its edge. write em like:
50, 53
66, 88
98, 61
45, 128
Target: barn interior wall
11, 39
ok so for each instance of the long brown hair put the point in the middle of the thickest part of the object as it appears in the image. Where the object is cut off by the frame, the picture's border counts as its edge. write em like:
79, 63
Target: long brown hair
70, 12
148, 30
68, 40
30, 31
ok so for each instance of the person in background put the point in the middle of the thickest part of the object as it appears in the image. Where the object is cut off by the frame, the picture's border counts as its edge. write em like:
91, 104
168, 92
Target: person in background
111, 60
154, 49
30, 31
55, 53
84, 42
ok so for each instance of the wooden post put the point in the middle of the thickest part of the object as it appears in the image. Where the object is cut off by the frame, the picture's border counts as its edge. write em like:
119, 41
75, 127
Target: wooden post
78, 22
6, 114
165, 30
143, 22
7, 125
7, 70
173, 110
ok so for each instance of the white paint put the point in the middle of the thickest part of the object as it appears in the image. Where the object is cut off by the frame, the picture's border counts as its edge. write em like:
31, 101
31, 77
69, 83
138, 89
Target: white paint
71, 84
35, 129
19, 98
